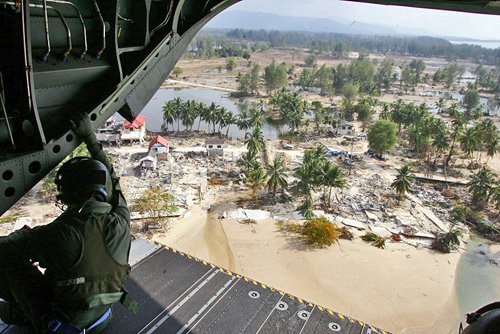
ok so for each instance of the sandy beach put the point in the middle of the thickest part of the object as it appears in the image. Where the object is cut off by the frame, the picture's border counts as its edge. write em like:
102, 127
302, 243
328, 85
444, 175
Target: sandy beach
401, 289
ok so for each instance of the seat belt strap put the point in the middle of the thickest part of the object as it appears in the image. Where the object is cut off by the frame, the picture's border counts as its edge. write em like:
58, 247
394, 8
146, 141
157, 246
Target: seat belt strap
100, 321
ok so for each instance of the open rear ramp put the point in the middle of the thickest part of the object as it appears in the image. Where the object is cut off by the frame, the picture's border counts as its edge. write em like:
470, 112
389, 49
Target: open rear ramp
179, 294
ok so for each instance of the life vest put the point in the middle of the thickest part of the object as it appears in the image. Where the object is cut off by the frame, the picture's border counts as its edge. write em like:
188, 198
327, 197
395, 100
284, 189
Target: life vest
96, 279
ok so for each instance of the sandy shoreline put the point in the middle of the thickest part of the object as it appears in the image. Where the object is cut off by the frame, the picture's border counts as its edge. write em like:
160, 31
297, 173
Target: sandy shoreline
400, 289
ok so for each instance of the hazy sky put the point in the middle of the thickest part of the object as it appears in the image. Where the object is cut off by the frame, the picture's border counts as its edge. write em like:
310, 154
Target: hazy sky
436, 22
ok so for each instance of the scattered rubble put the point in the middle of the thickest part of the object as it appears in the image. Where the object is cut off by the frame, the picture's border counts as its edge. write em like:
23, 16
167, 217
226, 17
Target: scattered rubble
368, 203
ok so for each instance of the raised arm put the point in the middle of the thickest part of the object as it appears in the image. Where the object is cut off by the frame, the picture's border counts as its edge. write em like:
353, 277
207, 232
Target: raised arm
83, 129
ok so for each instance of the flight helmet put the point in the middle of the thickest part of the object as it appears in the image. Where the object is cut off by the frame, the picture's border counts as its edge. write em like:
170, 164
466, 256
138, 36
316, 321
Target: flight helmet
486, 320
81, 178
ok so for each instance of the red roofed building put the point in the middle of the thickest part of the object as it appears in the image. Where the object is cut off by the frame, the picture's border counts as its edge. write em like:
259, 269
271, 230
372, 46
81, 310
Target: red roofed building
135, 131
159, 145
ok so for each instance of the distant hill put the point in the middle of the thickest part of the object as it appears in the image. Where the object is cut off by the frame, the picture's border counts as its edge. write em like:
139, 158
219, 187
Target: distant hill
256, 21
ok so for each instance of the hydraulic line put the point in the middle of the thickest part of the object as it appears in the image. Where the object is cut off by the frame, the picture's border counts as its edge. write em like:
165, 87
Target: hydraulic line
9, 130
47, 35
68, 49
26, 59
125, 19
45, 7
165, 21
82, 55
98, 55
2, 104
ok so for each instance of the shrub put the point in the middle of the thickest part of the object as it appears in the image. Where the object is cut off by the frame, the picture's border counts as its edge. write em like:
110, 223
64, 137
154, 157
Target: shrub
157, 204
321, 232
289, 227
376, 240
447, 241
466, 215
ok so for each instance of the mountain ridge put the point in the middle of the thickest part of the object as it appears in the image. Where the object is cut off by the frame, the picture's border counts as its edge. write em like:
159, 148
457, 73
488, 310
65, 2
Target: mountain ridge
267, 21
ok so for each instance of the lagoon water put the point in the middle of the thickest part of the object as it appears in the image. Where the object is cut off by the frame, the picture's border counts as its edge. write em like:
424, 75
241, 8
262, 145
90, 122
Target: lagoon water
154, 114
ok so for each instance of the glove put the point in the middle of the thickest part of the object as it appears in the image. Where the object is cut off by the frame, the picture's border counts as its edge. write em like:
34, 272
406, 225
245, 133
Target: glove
83, 128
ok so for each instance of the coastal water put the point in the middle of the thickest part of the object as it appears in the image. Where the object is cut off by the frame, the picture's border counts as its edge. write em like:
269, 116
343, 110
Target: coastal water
484, 44
154, 114
483, 101
477, 279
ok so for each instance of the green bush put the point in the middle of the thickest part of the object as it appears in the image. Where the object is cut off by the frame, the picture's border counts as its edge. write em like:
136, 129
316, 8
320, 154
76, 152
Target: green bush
321, 232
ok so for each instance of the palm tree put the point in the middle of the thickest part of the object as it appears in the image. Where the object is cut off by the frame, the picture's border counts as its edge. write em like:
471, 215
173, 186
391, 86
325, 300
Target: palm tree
277, 99
249, 162
469, 141
319, 152
256, 179
447, 241
492, 147
455, 135
453, 111
481, 185
329, 120
312, 163
255, 141
189, 114
277, 175
178, 106
384, 113
403, 181
332, 177
243, 120
221, 118
488, 134
437, 125
441, 143
441, 104
210, 115
292, 110
307, 178
306, 209
168, 115
398, 113
417, 137
256, 118
229, 119
200, 113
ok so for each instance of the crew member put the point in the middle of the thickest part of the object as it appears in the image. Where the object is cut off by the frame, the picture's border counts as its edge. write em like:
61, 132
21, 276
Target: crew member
64, 276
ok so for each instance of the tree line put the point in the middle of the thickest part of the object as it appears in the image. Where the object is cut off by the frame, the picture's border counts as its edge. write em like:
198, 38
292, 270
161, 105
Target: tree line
336, 45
